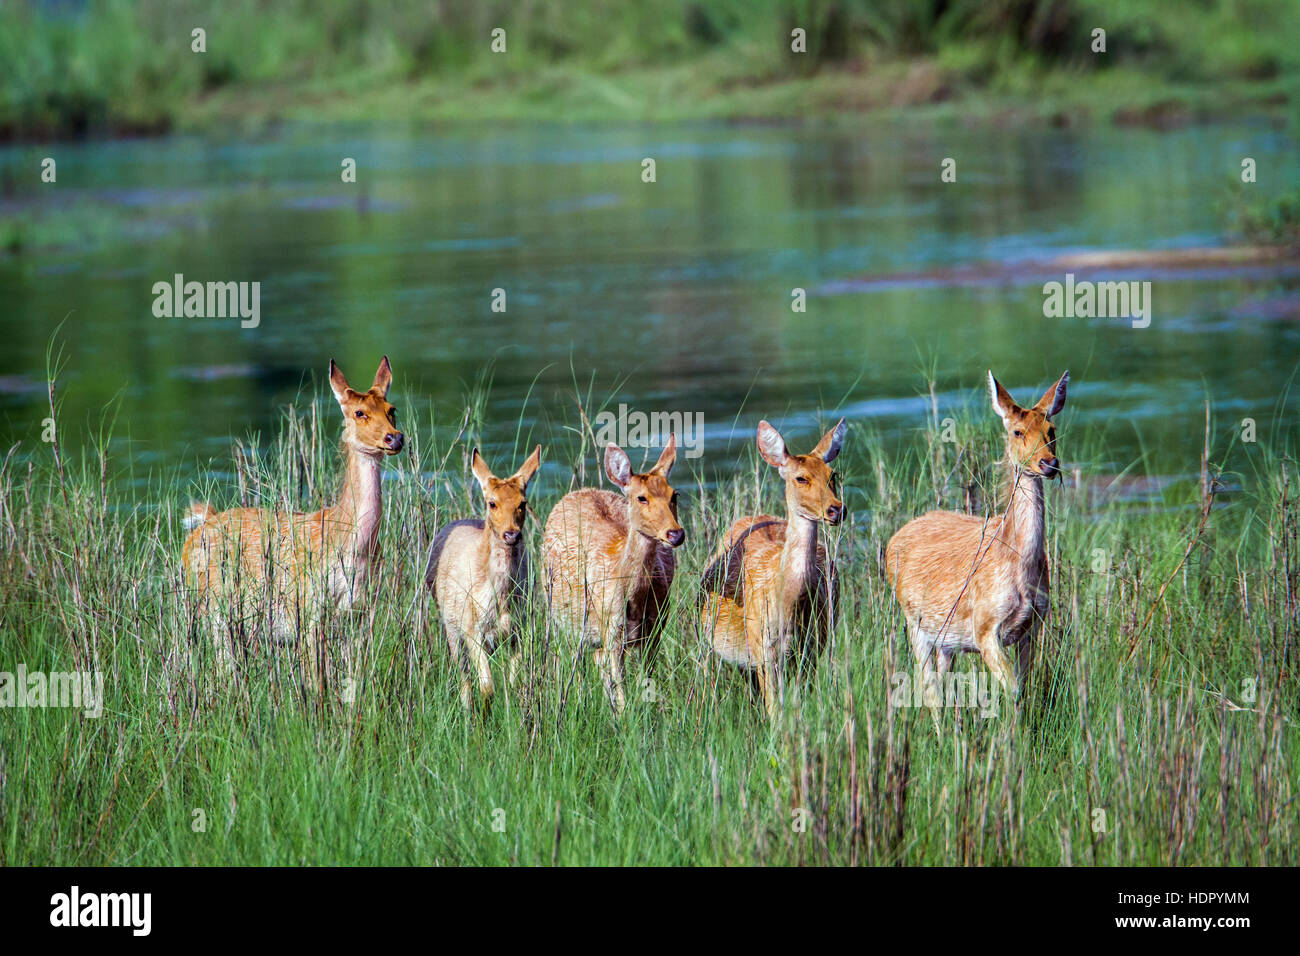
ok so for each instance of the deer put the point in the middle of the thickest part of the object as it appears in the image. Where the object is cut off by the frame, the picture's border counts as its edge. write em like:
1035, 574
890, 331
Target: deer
766, 598
304, 562
976, 584
478, 574
610, 563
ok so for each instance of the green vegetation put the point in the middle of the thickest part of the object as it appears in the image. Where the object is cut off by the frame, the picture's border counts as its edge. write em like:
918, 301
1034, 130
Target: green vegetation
116, 66
1188, 745
1267, 221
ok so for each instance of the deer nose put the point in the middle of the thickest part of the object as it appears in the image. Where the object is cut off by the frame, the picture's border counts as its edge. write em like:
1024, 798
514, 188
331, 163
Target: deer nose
1050, 467
510, 537
676, 537
835, 514
394, 440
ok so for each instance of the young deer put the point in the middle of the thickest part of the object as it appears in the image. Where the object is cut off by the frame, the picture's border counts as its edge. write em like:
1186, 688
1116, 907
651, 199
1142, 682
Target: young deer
609, 563
767, 595
968, 583
299, 561
478, 573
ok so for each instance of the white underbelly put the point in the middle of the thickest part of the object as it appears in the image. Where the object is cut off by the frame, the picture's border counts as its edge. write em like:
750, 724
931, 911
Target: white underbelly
738, 656
952, 641
956, 641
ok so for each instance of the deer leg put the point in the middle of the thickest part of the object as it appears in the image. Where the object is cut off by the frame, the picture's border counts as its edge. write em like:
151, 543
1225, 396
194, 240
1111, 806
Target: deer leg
223, 653
616, 659
775, 660
313, 665
610, 660
766, 680
778, 674
456, 645
928, 658
770, 677
508, 633
943, 658
476, 644
349, 649
763, 652
1024, 659
516, 663
995, 657
933, 662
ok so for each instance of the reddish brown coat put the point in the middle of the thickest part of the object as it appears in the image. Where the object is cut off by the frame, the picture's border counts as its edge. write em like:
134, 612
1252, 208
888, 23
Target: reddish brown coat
610, 563
768, 593
251, 564
970, 584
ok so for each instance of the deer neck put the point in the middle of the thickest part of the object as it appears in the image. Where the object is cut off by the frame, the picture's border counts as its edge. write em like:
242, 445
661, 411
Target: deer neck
1024, 524
360, 506
496, 559
634, 561
799, 567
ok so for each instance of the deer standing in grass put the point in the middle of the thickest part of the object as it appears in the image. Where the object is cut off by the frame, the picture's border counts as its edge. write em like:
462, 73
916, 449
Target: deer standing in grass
609, 563
980, 585
478, 573
766, 597
300, 562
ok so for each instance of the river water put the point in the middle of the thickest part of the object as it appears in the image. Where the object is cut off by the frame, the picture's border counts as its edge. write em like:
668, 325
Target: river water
671, 296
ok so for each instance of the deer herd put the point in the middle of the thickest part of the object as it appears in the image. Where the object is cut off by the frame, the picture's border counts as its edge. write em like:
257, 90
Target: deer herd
765, 601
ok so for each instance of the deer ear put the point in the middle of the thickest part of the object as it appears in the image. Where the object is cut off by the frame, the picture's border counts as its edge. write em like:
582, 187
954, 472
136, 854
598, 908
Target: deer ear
617, 465
529, 468
339, 384
1003, 403
383, 377
1053, 399
481, 471
667, 457
771, 445
829, 447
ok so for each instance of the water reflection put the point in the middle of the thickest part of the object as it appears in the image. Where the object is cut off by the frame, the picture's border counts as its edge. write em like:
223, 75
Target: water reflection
676, 293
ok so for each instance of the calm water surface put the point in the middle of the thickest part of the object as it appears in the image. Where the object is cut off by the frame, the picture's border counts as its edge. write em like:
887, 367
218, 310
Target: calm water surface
672, 296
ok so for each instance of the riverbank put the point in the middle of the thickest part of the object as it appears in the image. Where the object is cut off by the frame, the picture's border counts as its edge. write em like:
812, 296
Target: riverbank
918, 88
113, 68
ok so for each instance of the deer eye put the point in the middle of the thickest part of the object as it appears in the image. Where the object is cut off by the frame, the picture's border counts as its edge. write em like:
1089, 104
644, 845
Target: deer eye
1018, 433
643, 499
802, 480
492, 505
360, 414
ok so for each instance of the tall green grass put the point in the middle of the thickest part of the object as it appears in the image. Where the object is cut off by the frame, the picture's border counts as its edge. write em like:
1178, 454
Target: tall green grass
126, 66
1161, 757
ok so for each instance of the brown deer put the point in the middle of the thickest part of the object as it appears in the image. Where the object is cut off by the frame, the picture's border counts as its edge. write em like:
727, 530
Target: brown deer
766, 598
478, 573
302, 562
968, 583
609, 563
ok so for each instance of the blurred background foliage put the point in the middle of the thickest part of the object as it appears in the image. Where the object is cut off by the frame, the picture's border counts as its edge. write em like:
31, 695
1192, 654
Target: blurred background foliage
70, 67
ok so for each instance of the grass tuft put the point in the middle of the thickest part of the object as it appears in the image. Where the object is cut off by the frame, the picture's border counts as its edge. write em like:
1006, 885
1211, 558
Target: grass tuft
1182, 753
